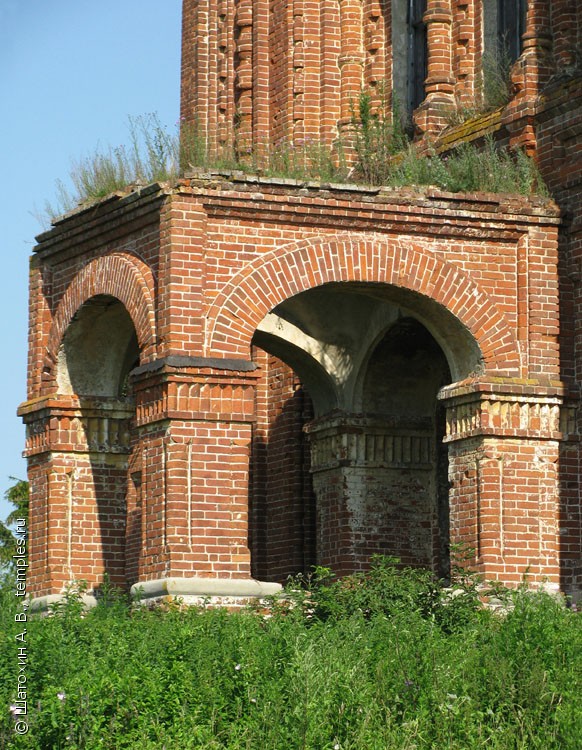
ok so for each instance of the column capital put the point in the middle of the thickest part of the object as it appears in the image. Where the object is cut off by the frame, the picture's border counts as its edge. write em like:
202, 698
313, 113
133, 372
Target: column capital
512, 409
203, 389
76, 424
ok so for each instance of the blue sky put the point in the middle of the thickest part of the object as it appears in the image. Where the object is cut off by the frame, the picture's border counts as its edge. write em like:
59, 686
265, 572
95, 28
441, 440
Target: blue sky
71, 72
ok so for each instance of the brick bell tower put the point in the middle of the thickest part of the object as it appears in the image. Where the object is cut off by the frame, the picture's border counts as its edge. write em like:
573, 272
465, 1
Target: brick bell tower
233, 378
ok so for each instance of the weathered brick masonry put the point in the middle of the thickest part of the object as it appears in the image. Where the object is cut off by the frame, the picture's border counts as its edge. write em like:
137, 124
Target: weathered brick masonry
234, 378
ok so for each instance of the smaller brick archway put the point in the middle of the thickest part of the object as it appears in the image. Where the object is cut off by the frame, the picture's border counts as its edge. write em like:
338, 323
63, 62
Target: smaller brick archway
122, 277
271, 279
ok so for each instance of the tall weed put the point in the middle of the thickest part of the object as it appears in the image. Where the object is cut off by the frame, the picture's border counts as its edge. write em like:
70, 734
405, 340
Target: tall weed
379, 136
152, 156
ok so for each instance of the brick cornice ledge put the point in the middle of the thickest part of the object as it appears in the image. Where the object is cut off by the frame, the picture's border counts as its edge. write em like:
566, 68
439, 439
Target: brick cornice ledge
502, 386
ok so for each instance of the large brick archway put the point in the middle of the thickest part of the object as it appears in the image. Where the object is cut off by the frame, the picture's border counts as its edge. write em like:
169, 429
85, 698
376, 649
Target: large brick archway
206, 268
289, 270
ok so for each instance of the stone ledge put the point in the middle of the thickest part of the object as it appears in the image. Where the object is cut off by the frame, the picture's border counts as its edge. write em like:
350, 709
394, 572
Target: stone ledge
44, 603
194, 591
184, 362
201, 588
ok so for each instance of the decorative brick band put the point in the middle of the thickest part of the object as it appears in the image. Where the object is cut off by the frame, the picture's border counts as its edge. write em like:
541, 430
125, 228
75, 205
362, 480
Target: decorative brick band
72, 426
503, 415
209, 398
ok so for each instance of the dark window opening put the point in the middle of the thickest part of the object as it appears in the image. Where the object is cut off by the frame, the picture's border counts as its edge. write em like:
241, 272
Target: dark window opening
417, 53
511, 17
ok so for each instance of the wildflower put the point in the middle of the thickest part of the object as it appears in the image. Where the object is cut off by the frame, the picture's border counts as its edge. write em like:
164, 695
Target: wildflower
61, 696
237, 667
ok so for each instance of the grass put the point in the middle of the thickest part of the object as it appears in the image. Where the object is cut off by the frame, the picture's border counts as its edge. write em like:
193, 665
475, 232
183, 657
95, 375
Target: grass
153, 155
493, 89
383, 660
467, 168
383, 156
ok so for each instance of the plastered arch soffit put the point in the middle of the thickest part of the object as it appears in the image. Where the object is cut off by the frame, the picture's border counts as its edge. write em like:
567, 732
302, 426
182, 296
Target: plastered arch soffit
278, 275
118, 275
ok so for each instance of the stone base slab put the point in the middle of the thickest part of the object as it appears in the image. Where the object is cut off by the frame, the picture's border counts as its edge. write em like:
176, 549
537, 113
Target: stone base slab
192, 591
196, 591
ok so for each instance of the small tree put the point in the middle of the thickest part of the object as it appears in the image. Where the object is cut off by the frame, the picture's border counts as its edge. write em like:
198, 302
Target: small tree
17, 495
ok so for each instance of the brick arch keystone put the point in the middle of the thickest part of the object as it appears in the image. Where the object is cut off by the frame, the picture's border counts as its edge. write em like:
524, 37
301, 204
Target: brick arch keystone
119, 275
271, 279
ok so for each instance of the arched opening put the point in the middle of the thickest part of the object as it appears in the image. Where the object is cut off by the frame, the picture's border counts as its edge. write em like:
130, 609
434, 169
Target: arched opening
356, 369
98, 351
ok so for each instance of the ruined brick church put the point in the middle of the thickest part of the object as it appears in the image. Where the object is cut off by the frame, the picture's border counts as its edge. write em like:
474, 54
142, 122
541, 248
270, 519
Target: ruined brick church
234, 378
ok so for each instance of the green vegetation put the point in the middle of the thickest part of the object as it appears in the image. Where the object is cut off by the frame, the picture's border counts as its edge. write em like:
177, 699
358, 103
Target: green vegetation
467, 169
379, 139
496, 79
383, 156
387, 659
493, 89
17, 495
152, 156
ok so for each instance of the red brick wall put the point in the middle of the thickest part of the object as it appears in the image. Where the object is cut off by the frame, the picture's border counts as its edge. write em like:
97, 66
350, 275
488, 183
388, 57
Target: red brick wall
559, 139
228, 255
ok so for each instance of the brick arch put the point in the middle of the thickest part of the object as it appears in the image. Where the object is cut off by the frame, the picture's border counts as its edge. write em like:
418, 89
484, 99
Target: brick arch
289, 270
119, 275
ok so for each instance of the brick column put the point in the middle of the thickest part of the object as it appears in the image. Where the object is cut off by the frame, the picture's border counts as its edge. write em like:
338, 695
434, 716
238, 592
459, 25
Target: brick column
504, 485
330, 72
351, 59
467, 50
182, 276
194, 423
244, 78
77, 452
440, 83
207, 104
564, 29
375, 484
537, 45
261, 82
530, 73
